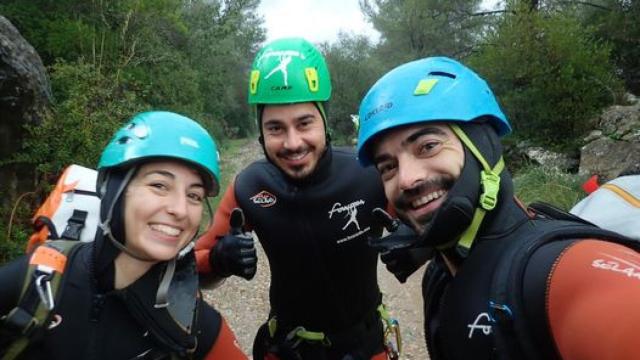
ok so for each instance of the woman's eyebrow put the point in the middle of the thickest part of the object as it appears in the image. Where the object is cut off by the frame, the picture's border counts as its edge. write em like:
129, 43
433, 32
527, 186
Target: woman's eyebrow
169, 174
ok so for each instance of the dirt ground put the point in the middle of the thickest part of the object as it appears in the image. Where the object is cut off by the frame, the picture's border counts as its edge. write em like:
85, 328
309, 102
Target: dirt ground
245, 304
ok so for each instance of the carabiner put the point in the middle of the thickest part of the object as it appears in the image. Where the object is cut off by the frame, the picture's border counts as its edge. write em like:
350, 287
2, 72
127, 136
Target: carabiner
47, 298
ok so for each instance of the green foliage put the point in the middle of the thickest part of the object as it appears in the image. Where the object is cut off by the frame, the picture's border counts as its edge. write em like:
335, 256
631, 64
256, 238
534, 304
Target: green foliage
549, 73
616, 21
110, 59
14, 234
413, 29
536, 183
354, 68
90, 107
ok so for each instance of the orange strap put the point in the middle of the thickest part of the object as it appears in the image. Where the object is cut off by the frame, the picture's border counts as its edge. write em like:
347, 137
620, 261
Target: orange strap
592, 301
623, 194
49, 257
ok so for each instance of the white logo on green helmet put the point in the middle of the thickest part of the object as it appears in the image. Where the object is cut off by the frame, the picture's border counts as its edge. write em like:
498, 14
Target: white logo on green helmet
285, 57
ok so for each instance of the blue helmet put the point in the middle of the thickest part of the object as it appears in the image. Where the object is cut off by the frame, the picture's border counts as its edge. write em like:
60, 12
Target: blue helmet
162, 134
430, 89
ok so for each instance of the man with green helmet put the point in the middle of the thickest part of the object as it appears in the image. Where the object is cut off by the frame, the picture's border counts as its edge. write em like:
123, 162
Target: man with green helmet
507, 282
310, 206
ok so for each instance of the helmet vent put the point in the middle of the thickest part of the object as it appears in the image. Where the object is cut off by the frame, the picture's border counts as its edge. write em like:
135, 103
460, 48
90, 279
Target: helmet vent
442, 73
124, 140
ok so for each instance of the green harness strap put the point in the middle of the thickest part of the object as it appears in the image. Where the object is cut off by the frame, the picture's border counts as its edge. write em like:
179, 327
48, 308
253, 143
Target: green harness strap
27, 320
392, 328
490, 182
299, 334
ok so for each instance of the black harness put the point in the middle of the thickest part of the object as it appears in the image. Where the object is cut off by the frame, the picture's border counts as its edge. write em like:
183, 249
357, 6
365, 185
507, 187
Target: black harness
513, 323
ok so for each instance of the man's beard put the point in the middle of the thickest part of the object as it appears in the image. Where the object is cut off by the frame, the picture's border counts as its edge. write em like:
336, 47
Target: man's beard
403, 202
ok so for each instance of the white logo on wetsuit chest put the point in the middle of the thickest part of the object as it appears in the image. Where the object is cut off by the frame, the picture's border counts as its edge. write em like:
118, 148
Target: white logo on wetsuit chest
486, 329
350, 212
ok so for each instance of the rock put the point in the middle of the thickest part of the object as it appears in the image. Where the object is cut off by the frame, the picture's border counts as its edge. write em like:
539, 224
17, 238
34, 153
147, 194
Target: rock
547, 158
24, 99
621, 122
615, 145
608, 157
595, 134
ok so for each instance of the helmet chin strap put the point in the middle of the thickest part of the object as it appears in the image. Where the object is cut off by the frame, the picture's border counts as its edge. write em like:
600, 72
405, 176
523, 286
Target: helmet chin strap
106, 224
490, 183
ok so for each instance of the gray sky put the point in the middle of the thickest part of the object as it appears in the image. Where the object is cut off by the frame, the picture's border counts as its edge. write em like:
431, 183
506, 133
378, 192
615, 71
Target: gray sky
317, 20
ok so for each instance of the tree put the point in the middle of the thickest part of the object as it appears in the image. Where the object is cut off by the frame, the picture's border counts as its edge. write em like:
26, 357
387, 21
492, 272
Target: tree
550, 73
412, 29
354, 69
617, 22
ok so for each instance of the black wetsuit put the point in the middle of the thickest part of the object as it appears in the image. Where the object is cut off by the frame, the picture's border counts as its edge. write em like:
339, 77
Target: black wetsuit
95, 324
314, 232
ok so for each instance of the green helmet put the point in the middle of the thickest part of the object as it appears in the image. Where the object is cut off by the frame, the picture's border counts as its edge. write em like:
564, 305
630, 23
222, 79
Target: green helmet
288, 71
162, 134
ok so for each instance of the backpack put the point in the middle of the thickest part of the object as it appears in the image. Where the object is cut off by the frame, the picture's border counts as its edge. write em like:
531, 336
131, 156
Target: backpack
71, 211
614, 205
512, 334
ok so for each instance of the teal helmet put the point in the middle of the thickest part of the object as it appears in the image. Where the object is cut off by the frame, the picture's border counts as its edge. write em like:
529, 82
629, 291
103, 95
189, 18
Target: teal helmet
289, 70
165, 135
430, 89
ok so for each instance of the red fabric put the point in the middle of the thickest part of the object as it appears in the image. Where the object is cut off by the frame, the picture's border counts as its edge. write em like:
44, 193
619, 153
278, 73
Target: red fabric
226, 346
380, 356
591, 185
592, 302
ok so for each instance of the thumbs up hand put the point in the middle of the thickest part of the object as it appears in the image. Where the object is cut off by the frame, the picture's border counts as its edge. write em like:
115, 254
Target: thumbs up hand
234, 253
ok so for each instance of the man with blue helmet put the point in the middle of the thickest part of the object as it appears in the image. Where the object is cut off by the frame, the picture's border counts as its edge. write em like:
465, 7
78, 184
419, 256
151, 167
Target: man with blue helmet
506, 282
132, 293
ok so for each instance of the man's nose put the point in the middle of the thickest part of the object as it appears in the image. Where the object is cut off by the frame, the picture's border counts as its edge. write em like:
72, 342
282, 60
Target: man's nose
293, 140
410, 173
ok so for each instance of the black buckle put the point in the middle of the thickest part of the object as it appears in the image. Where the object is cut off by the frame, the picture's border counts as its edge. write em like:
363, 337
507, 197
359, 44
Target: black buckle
75, 225
19, 321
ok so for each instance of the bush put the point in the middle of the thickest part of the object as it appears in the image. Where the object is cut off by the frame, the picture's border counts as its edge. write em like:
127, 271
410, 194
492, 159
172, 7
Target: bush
537, 183
549, 73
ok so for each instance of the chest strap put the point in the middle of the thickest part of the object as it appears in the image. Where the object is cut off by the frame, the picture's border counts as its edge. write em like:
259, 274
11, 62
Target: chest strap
40, 291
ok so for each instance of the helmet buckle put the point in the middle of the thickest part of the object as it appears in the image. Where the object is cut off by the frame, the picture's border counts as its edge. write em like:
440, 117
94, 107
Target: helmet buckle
253, 84
490, 182
312, 79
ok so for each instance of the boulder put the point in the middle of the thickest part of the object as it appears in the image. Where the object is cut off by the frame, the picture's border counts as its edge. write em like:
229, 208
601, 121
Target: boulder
524, 152
608, 157
615, 145
25, 96
551, 160
621, 122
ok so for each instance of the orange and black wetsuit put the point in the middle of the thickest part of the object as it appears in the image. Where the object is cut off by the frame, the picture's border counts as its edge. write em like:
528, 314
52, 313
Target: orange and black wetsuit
92, 322
579, 297
314, 233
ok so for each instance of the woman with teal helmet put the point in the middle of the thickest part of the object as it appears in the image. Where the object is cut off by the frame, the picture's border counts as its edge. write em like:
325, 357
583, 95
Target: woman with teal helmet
133, 292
